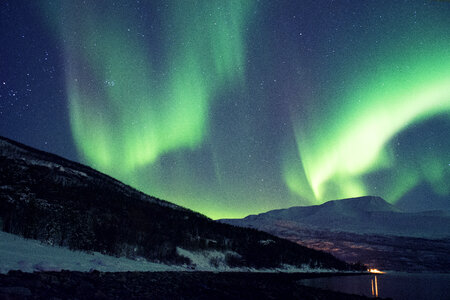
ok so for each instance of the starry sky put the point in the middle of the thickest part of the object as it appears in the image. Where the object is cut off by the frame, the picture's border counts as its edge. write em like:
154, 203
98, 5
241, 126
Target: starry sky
236, 107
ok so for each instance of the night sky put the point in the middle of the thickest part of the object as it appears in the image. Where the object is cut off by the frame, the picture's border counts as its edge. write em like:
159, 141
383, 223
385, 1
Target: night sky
237, 107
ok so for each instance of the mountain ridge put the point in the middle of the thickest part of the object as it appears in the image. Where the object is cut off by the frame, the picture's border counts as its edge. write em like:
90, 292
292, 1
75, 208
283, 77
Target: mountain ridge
6, 143
367, 214
365, 229
344, 206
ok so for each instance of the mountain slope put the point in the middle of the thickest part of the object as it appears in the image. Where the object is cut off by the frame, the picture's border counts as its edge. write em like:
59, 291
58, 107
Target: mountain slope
365, 229
49, 198
369, 214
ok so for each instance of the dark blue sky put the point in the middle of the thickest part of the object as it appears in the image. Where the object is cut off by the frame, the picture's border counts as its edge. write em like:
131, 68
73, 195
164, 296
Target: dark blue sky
238, 107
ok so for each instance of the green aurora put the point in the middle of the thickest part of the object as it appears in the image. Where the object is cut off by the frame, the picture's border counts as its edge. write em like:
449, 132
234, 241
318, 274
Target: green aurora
354, 139
147, 118
171, 102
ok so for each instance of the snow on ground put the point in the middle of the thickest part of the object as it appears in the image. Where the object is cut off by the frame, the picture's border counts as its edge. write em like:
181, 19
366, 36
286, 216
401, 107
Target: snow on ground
17, 253
215, 261
208, 260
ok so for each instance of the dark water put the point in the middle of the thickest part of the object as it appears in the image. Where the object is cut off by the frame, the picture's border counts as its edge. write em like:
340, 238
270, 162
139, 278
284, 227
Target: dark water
397, 286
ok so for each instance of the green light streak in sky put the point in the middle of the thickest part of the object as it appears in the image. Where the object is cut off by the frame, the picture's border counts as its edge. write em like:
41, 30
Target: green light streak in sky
296, 180
193, 110
352, 140
135, 112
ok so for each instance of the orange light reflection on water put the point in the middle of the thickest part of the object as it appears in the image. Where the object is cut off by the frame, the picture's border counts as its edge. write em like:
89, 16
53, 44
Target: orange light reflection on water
375, 287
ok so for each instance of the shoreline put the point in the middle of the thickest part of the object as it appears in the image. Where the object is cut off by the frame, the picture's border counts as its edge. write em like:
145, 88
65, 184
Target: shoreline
165, 285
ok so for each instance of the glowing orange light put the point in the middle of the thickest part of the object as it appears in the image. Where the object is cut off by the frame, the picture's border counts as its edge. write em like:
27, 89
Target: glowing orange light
374, 290
376, 271
376, 287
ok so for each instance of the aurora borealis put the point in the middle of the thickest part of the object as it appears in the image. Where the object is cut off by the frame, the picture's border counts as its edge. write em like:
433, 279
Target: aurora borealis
148, 116
237, 107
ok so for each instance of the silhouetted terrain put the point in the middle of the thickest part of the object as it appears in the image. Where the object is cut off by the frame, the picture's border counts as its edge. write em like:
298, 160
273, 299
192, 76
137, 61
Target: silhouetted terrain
48, 198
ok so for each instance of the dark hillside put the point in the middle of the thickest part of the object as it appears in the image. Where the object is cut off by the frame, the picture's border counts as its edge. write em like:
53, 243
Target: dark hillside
46, 197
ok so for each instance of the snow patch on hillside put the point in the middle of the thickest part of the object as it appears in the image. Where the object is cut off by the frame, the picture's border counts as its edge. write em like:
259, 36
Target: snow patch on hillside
17, 253
215, 261
208, 260
54, 166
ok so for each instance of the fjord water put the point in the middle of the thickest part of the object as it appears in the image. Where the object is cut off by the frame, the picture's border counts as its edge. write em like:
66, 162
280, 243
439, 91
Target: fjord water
398, 286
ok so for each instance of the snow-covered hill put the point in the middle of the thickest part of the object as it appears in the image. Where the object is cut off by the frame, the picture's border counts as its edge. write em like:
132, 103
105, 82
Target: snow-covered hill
365, 229
369, 214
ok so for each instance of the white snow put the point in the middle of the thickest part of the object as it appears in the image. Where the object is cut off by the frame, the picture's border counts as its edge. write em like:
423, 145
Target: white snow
266, 242
17, 253
55, 166
208, 260
214, 261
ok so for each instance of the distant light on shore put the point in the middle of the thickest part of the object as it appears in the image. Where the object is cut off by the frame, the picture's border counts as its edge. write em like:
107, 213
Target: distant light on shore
376, 271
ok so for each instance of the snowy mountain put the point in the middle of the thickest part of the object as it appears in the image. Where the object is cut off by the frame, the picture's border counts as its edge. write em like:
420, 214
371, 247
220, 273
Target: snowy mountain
365, 229
66, 204
369, 214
